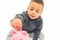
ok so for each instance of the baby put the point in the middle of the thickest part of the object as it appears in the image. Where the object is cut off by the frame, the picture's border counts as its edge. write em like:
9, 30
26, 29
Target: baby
30, 20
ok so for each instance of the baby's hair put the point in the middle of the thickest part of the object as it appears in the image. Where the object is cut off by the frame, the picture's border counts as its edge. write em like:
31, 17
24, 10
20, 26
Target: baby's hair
38, 1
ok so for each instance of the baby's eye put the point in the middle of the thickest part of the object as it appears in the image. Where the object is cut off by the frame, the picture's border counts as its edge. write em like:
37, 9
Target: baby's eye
31, 9
37, 11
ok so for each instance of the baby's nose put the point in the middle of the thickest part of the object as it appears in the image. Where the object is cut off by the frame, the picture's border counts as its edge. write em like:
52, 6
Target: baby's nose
33, 12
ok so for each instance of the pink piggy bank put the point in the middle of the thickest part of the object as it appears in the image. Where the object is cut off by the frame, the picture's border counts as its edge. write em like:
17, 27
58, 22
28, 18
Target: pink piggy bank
19, 35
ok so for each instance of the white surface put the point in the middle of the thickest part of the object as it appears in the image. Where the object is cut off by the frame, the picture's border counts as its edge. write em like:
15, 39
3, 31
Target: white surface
50, 15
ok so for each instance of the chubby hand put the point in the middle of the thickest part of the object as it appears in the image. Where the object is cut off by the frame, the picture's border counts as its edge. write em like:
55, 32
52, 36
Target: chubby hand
16, 23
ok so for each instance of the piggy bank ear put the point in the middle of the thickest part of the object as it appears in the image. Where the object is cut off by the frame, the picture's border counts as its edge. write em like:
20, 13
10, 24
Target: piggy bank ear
13, 32
24, 33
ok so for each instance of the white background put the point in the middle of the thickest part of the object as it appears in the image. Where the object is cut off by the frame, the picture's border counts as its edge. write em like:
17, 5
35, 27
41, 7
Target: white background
50, 15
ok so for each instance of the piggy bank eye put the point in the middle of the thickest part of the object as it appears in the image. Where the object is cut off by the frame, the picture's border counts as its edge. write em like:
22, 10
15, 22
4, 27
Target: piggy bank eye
13, 38
20, 39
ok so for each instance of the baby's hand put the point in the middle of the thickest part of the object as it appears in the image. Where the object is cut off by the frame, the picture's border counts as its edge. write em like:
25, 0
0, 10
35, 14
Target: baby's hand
16, 23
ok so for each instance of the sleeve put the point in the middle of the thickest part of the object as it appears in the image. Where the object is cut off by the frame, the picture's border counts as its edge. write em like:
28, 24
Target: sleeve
37, 31
19, 16
9, 36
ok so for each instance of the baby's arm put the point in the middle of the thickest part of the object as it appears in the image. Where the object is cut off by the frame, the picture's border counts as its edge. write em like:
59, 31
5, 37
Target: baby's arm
16, 23
38, 30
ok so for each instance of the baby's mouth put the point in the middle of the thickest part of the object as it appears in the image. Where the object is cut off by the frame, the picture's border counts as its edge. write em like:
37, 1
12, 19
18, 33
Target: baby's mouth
32, 16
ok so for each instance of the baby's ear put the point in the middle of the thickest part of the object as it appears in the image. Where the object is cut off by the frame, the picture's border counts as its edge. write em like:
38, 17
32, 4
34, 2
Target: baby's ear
13, 32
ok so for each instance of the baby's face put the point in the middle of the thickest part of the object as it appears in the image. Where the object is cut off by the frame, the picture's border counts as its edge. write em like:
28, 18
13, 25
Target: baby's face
34, 10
